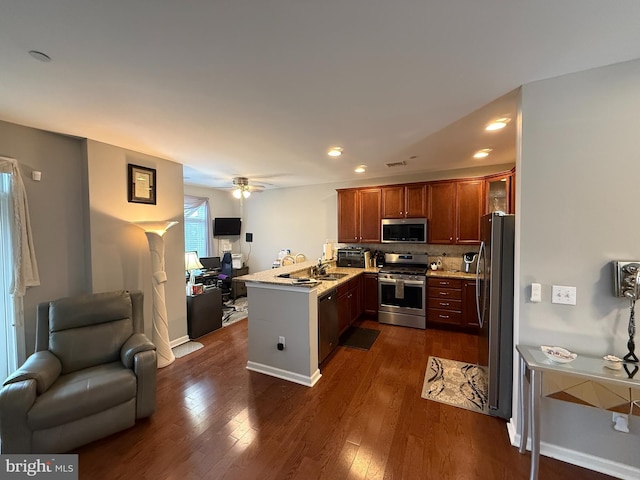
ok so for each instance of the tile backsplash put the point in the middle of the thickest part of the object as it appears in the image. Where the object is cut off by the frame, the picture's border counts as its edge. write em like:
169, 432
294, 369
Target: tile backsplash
451, 255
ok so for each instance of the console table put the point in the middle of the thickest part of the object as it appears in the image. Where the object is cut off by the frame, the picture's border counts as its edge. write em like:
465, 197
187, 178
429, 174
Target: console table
534, 364
204, 312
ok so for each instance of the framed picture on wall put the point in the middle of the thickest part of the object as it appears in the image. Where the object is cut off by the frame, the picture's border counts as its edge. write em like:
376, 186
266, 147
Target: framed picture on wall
142, 184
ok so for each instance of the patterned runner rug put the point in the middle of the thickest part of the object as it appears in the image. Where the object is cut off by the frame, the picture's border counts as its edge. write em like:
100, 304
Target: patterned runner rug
459, 384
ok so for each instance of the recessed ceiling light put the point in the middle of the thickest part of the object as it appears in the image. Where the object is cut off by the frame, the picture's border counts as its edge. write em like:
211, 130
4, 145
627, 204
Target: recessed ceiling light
335, 152
360, 169
484, 153
43, 57
497, 124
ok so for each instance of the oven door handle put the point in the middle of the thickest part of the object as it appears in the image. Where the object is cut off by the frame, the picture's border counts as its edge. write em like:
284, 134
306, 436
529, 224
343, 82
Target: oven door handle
406, 282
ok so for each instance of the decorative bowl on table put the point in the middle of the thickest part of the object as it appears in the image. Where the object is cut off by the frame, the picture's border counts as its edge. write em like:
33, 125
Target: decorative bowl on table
558, 354
612, 362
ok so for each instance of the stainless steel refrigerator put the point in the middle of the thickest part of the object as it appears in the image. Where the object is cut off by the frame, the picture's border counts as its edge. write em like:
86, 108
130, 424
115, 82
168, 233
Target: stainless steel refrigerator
494, 301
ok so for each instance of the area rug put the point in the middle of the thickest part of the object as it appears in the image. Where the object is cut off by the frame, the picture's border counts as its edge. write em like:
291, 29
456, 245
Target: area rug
360, 338
459, 384
234, 311
186, 349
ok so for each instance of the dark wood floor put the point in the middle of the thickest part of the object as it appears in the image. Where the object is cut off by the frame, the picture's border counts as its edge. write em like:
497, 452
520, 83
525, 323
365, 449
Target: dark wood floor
364, 419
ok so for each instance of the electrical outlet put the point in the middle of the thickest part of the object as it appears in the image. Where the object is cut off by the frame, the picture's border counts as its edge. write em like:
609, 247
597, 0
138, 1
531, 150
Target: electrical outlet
564, 295
536, 292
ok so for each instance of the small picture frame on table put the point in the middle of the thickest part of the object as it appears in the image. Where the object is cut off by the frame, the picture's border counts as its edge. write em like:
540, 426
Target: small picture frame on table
142, 184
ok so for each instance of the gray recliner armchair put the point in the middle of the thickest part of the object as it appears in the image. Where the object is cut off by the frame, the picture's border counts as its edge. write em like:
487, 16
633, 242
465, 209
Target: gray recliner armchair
93, 374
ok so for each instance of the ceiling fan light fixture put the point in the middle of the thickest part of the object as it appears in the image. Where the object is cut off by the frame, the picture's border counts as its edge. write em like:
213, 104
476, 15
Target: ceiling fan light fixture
246, 193
498, 124
335, 151
484, 153
237, 193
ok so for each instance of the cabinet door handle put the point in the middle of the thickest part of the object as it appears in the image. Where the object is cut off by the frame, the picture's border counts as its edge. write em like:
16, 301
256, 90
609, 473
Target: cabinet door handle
444, 294
443, 316
444, 304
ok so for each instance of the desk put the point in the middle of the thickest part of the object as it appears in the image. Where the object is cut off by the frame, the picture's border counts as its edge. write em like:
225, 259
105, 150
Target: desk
204, 312
534, 363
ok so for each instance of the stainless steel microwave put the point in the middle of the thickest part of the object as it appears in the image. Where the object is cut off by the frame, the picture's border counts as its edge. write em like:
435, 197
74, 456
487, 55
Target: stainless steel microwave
404, 230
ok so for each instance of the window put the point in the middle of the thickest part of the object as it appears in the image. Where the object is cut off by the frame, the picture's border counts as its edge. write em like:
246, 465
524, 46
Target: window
197, 226
8, 358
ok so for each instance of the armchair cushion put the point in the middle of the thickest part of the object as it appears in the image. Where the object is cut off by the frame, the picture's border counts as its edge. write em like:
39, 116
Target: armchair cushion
138, 342
89, 330
81, 394
43, 367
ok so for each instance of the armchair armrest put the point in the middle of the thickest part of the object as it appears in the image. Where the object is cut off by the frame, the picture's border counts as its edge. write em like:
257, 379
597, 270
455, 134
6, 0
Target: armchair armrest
138, 342
43, 367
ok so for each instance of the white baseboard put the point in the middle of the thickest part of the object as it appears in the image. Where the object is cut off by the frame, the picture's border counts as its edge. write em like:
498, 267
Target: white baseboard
574, 457
307, 381
179, 341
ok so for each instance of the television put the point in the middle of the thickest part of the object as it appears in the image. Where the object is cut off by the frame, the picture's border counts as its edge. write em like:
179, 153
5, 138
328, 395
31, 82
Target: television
223, 227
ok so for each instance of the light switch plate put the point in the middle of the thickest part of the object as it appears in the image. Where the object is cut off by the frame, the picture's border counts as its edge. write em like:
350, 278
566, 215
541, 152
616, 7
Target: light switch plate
564, 295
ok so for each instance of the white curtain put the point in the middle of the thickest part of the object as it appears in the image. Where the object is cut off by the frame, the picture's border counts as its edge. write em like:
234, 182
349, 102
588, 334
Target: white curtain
25, 268
191, 205
18, 268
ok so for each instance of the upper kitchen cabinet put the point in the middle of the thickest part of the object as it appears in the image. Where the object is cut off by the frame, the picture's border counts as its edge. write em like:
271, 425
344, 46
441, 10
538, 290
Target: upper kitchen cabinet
442, 197
499, 193
359, 215
455, 208
404, 201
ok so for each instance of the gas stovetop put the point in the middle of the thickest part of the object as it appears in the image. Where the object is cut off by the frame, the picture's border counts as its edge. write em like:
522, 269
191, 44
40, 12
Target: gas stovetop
405, 264
400, 269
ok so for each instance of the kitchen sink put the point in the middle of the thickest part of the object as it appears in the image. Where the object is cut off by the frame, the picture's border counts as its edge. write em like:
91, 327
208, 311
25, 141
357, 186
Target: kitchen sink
332, 276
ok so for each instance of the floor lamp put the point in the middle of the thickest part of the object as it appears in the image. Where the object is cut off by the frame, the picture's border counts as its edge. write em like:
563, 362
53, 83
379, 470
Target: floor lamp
155, 236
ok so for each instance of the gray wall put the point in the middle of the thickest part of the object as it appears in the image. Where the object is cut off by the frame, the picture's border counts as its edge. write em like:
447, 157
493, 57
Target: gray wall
119, 251
577, 211
56, 210
80, 221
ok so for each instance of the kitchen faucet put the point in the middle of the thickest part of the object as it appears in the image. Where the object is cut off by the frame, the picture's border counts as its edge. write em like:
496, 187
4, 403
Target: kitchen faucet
320, 269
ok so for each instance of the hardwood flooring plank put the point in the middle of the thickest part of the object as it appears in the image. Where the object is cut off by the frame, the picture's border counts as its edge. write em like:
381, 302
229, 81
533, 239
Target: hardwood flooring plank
364, 419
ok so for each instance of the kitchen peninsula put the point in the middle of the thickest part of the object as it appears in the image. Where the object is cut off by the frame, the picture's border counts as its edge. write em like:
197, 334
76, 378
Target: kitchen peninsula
283, 307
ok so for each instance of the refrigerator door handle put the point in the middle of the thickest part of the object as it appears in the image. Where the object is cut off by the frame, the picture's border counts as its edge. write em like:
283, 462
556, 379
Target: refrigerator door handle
478, 269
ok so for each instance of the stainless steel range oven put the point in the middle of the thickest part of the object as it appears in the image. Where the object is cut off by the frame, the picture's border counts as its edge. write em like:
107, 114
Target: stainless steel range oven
402, 286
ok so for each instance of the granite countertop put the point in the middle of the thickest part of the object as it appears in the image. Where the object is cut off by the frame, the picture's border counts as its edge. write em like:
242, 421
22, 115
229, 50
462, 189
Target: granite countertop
301, 270
451, 274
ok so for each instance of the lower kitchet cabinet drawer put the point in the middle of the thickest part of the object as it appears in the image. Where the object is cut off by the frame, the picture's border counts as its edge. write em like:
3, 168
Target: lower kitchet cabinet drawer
435, 315
450, 293
445, 304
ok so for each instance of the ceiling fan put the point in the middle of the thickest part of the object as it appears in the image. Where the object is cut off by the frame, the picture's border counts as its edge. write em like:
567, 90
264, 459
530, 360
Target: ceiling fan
242, 189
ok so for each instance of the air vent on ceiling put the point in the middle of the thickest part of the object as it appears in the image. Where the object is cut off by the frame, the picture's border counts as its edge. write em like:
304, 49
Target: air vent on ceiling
396, 164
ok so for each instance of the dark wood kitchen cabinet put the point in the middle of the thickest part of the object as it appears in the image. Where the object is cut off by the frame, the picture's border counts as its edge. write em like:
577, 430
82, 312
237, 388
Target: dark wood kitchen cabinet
444, 301
469, 310
455, 208
452, 302
359, 215
404, 201
349, 302
442, 198
370, 294
500, 192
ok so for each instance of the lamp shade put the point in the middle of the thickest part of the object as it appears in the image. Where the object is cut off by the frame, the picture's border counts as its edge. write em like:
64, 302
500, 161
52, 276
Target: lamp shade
159, 227
191, 261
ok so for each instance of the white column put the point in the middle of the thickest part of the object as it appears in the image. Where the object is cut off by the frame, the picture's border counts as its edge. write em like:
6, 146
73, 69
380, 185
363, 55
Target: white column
160, 335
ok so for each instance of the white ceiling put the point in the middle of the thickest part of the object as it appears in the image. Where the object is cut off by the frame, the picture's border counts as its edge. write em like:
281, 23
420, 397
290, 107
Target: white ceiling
262, 88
